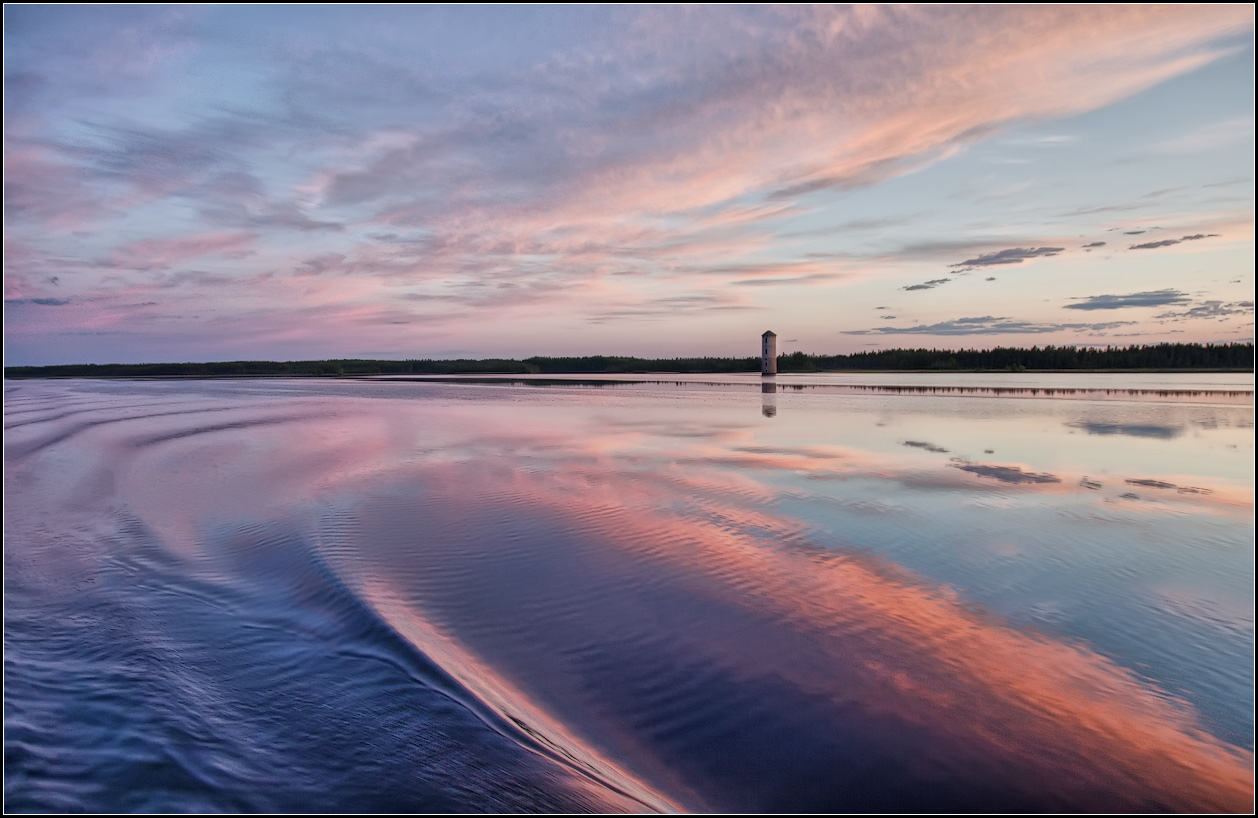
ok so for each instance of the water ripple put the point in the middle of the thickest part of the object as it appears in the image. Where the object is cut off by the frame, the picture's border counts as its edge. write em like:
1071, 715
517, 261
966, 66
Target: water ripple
311, 601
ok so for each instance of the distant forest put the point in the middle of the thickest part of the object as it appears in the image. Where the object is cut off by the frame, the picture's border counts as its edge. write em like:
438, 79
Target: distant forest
1237, 357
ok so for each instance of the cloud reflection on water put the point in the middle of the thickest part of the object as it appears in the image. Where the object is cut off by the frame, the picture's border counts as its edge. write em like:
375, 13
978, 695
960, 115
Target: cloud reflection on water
822, 645
1130, 429
636, 580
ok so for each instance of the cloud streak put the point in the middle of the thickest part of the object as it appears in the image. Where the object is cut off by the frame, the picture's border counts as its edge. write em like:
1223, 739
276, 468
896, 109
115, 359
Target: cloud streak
1014, 255
1153, 245
1211, 310
989, 325
927, 285
1152, 298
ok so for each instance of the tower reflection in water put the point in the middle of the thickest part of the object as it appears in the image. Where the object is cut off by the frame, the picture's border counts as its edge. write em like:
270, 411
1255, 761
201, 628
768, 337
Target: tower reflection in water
769, 401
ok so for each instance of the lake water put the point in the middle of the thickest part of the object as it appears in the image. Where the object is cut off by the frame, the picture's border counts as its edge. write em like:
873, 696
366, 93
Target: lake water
820, 593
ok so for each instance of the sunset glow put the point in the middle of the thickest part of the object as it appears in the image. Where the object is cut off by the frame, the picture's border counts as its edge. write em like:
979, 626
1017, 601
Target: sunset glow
258, 182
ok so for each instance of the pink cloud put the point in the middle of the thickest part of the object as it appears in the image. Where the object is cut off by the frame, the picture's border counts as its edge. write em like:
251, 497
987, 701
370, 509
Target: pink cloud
148, 254
40, 187
670, 152
832, 98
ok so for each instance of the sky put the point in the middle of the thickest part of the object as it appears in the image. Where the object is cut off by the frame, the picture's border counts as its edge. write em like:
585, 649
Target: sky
189, 183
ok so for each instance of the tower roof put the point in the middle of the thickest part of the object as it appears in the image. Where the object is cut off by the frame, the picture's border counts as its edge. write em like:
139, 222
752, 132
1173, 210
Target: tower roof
769, 332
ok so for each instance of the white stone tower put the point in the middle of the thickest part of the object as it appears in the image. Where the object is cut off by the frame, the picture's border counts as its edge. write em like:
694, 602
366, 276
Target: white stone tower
769, 353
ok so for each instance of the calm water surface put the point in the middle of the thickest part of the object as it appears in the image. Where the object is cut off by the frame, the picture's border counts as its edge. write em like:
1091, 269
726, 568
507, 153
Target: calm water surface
820, 593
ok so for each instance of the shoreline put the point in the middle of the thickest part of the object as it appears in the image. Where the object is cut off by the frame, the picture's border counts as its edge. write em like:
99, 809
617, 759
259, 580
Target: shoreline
635, 373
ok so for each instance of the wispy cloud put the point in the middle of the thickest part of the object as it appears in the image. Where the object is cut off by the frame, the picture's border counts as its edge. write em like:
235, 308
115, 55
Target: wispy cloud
42, 302
1211, 309
1153, 245
148, 254
927, 285
671, 307
1014, 255
1209, 137
989, 325
1152, 298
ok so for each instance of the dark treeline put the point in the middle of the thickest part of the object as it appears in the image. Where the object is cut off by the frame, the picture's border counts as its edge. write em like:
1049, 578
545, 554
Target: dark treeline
1158, 356
590, 364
